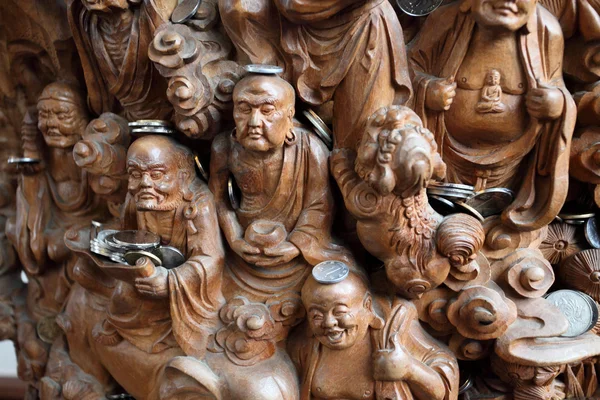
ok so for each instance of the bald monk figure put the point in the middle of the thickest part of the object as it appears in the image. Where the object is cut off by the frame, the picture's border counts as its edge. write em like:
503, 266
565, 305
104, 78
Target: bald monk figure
282, 172
377, 341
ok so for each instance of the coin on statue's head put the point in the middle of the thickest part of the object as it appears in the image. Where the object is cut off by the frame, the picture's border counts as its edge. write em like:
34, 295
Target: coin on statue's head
330, 272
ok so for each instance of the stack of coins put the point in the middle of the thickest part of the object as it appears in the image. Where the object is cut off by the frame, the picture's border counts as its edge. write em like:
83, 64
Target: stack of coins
263, 69
450, 198
151, 127
582, 220
126, 247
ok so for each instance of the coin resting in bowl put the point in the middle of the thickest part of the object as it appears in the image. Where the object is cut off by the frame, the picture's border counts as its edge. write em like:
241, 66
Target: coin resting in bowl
262, 233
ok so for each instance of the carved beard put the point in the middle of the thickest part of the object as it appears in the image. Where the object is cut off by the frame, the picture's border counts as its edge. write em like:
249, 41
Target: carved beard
164, 205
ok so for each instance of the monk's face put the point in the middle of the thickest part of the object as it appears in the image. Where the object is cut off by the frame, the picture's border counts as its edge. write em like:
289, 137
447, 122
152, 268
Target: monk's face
504, 14
338, 314
263, 112
104, 5
60, 122
154, 177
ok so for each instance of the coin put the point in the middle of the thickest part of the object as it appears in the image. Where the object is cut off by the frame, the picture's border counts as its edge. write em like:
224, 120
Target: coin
329, 272
135, 240
23, 160
150, 122
132, 256
201, 169
47, 329
491, 201
435, 184
570, 216
155, 130
465, 384
418, 8
591, 233
170, 256
185, 10
263, 69
441, 205
231, 190
580, 310
467, 209
574, 221
451, 193
321, 129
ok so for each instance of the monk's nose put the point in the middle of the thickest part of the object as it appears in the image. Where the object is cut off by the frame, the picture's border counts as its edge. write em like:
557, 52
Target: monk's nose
255, 120
146, 181
329, 322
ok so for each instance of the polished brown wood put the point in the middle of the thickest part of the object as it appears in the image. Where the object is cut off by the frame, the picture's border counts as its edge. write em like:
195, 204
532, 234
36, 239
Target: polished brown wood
143, 115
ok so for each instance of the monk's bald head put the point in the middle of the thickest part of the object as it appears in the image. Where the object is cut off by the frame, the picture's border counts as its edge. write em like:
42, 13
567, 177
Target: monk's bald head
276, 88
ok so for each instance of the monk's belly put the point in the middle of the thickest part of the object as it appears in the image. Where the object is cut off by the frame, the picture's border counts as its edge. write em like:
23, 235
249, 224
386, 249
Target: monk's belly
473, 128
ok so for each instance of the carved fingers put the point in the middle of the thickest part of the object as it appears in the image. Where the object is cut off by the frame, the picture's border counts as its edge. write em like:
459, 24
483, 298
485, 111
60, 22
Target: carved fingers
394, 363
545, 103
440, 94
280, 254
156, 285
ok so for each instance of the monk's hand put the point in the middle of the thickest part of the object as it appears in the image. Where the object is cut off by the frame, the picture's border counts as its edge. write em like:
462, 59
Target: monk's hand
156, 285
545, 102
249, 253
440, 94
393, 364
280, 254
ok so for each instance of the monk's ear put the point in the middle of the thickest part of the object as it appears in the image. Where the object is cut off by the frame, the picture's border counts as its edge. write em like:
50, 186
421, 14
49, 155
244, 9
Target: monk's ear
291, 112
368, 301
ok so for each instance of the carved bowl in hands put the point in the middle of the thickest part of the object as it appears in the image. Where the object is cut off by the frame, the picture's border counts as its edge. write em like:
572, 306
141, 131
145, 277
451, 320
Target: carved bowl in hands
264, 233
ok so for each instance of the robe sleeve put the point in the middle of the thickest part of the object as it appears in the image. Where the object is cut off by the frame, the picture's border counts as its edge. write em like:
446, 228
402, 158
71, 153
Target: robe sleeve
544, 189
195, 286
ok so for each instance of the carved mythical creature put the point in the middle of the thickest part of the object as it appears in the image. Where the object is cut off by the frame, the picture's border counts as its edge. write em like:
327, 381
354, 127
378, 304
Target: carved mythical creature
384, 189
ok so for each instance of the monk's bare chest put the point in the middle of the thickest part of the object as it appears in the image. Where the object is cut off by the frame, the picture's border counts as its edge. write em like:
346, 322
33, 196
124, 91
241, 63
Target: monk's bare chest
336, 386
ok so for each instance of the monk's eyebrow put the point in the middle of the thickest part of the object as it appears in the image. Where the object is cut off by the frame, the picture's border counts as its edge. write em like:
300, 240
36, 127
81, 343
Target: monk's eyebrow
269, 100
157, 166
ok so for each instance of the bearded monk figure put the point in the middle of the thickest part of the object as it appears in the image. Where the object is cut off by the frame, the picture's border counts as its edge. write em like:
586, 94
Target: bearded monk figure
525, 147
348, 51
282, 225
112, 38
377, 341
51, 198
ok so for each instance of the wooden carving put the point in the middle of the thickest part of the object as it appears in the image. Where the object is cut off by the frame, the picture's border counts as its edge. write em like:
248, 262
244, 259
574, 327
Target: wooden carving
349, 217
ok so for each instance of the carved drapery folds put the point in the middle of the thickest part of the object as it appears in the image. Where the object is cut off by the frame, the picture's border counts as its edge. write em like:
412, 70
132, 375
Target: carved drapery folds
279, 199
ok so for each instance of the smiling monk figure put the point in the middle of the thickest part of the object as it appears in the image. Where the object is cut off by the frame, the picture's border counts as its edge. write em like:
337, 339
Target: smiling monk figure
377, 341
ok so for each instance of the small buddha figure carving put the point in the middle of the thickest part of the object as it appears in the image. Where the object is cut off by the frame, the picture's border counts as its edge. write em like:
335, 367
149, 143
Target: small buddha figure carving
491, 94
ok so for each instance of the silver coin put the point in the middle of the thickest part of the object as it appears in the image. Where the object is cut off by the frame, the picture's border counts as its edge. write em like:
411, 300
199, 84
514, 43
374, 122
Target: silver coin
235, 203
466, 385
101, 236
154, 130
170, 256
23, 160
574, 221
450, 193
132, 256
491, 201
418, 8
263, 69
135, 240
579, 309
591, 233
435, 184
321, 129
467, 209
150, 122
570, 216
201, 169
185, 10
329, 272
441, 205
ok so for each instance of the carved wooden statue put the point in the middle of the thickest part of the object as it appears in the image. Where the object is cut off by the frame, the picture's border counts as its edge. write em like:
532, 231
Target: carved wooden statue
185, 235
